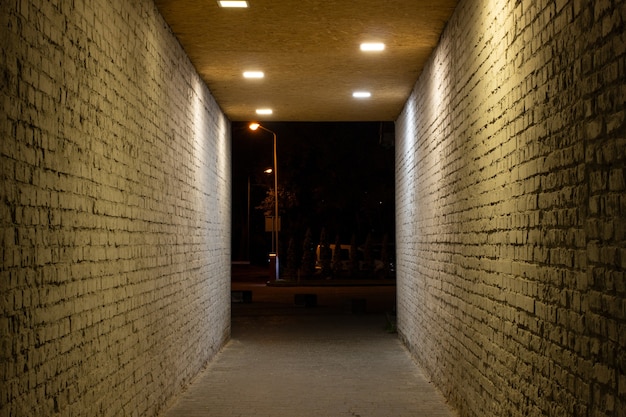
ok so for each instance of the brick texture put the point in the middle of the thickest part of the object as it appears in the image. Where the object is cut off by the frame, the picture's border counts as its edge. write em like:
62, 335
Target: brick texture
511, 210
114, 211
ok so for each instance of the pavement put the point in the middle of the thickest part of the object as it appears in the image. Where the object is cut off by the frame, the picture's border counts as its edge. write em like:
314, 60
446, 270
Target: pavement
333, 357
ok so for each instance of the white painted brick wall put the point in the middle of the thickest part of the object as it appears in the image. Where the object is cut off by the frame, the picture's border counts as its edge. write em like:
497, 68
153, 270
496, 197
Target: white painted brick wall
114, 211
511, 210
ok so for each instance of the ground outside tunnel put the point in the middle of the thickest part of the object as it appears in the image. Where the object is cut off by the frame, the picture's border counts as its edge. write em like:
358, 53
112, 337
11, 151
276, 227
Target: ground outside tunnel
253, 293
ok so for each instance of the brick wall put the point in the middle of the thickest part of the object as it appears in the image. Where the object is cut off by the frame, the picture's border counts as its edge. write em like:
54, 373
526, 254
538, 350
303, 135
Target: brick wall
511, 210
114, 210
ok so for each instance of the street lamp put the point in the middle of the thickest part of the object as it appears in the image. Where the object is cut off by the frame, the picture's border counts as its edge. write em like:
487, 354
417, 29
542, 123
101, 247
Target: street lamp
255, 126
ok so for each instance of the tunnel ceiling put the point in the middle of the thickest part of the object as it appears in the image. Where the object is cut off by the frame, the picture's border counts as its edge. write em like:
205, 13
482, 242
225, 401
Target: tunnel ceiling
309, 51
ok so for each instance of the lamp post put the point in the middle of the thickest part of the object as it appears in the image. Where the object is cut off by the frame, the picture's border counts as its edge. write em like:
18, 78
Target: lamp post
255, 126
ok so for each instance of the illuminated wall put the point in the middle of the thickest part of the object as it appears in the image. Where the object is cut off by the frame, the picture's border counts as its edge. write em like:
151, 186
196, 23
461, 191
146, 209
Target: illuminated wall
114, 211
511, 210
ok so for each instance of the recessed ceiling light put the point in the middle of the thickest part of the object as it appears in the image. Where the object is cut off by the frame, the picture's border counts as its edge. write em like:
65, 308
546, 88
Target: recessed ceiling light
239, 4
361, 94
372, 46
253, 74
264, 111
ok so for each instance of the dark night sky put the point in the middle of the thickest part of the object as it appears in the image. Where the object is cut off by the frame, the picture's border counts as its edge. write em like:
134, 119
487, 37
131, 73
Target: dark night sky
341, 174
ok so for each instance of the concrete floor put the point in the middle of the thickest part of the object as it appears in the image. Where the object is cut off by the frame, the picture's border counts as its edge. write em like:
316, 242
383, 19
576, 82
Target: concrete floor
289, 360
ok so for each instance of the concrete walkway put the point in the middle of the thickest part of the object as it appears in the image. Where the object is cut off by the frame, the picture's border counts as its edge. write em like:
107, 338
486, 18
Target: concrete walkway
308, 362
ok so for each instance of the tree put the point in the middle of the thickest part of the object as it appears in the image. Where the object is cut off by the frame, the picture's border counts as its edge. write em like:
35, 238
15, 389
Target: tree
325, 254
291, 267
336, 261
385, 257
354, 258
368, 256
307, 268
286, 201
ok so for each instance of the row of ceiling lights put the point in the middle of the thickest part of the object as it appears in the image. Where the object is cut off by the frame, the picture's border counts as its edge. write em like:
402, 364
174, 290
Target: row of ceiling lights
365, 47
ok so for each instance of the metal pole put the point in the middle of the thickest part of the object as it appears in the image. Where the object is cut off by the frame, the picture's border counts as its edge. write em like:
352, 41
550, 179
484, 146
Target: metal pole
275, 194
275, 244
248, 225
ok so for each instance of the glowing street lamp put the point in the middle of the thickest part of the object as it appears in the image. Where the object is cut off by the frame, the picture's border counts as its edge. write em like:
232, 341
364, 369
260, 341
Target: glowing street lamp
255, 126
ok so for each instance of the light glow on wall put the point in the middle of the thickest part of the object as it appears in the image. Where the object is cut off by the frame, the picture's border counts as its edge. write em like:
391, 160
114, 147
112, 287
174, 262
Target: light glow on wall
199, 137
223, 139
409, 132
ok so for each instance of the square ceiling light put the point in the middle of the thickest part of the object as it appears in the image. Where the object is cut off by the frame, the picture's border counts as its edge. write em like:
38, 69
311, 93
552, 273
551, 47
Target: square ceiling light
233, 4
